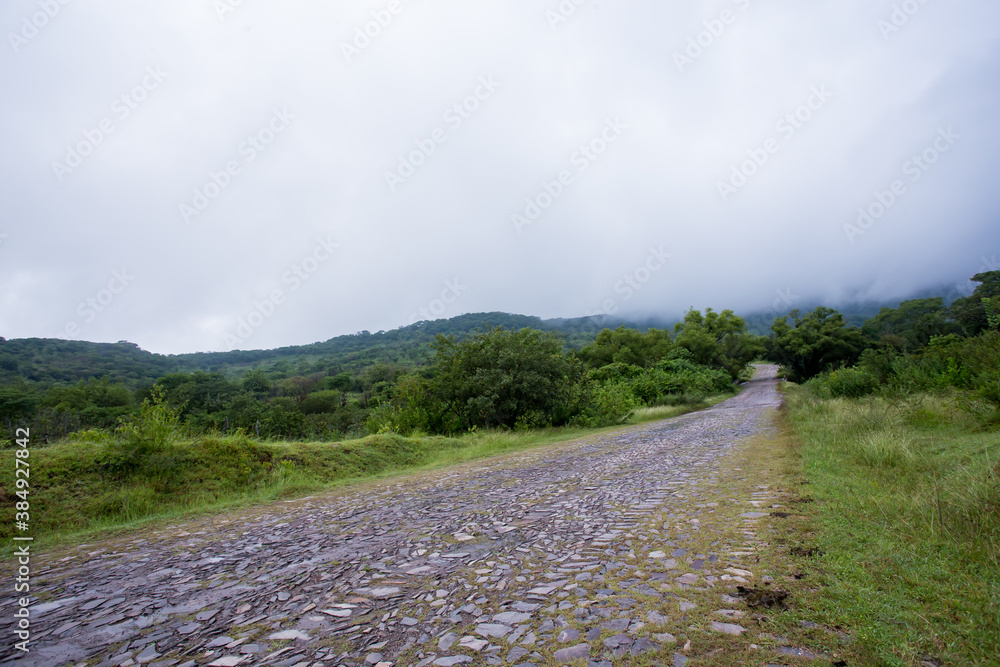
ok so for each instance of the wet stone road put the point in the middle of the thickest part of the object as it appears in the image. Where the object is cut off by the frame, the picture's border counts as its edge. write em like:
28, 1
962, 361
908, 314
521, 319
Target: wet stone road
568, 554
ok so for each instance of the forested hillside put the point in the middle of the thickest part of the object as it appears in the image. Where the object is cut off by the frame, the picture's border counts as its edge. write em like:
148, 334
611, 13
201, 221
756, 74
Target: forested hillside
488, 370
50, 362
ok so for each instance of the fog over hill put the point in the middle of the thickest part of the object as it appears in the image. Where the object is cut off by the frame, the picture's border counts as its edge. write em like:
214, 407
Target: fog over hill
194, 175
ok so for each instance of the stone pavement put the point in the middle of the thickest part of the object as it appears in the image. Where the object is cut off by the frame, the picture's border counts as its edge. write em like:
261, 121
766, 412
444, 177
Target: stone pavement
577, 552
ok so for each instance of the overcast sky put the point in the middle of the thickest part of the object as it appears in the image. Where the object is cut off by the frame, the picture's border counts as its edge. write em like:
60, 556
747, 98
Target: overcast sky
200, 175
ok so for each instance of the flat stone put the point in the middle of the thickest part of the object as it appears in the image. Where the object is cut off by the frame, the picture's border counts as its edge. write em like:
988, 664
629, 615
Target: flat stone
511, 617
148, 654
728, 628
665, 638
572, 653
446, 641
383, 592
542, 590
641, 646
228, 661
493, 629
473, 643
567, 635
616, 624
656, 618
289, 634
452, 660
738, 572
516, 654
337, 613
617, 641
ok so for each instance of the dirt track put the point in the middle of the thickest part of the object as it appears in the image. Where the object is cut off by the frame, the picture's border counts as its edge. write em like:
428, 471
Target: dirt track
581, 550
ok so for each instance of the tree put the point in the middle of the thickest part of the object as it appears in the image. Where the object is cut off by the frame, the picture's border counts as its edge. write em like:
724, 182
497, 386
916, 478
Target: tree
817, 342
627, 346
502, 378
971, 311
910, 326
17, 404
718, 339
257, 383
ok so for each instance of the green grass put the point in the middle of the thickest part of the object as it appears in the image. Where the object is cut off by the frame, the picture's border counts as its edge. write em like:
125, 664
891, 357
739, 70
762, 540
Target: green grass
907, 514
75, 496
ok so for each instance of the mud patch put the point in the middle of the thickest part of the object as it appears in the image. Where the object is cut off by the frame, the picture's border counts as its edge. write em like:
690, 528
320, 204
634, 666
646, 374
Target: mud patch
805, 552
757, 598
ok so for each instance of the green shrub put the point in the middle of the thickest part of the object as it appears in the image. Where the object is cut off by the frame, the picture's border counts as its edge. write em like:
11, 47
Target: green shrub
611, 403
851, 383
145, 443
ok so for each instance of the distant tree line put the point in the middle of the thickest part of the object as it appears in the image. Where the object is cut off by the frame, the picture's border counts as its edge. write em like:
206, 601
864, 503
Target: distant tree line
513, 377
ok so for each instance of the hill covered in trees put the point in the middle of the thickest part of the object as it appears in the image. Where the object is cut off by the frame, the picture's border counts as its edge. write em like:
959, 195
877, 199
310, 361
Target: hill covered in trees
488, 370
49, 362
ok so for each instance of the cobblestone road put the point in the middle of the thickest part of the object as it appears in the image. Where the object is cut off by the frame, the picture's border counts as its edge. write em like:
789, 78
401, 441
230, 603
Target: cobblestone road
579, 552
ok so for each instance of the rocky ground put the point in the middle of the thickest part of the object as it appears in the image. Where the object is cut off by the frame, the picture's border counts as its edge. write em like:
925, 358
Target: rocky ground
620, 549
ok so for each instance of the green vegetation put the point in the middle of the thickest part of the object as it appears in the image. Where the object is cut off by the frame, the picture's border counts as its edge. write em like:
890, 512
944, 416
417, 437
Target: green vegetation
491, 378
901, 452
907, 515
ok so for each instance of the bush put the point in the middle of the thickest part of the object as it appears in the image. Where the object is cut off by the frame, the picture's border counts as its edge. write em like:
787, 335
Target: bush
850, 383
611, 403
146, 442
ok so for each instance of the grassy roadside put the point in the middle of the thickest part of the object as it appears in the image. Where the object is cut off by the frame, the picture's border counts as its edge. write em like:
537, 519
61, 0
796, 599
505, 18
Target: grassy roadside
901, 537
75, 498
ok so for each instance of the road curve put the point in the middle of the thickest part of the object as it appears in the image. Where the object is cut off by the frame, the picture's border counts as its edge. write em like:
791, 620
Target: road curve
547, 555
